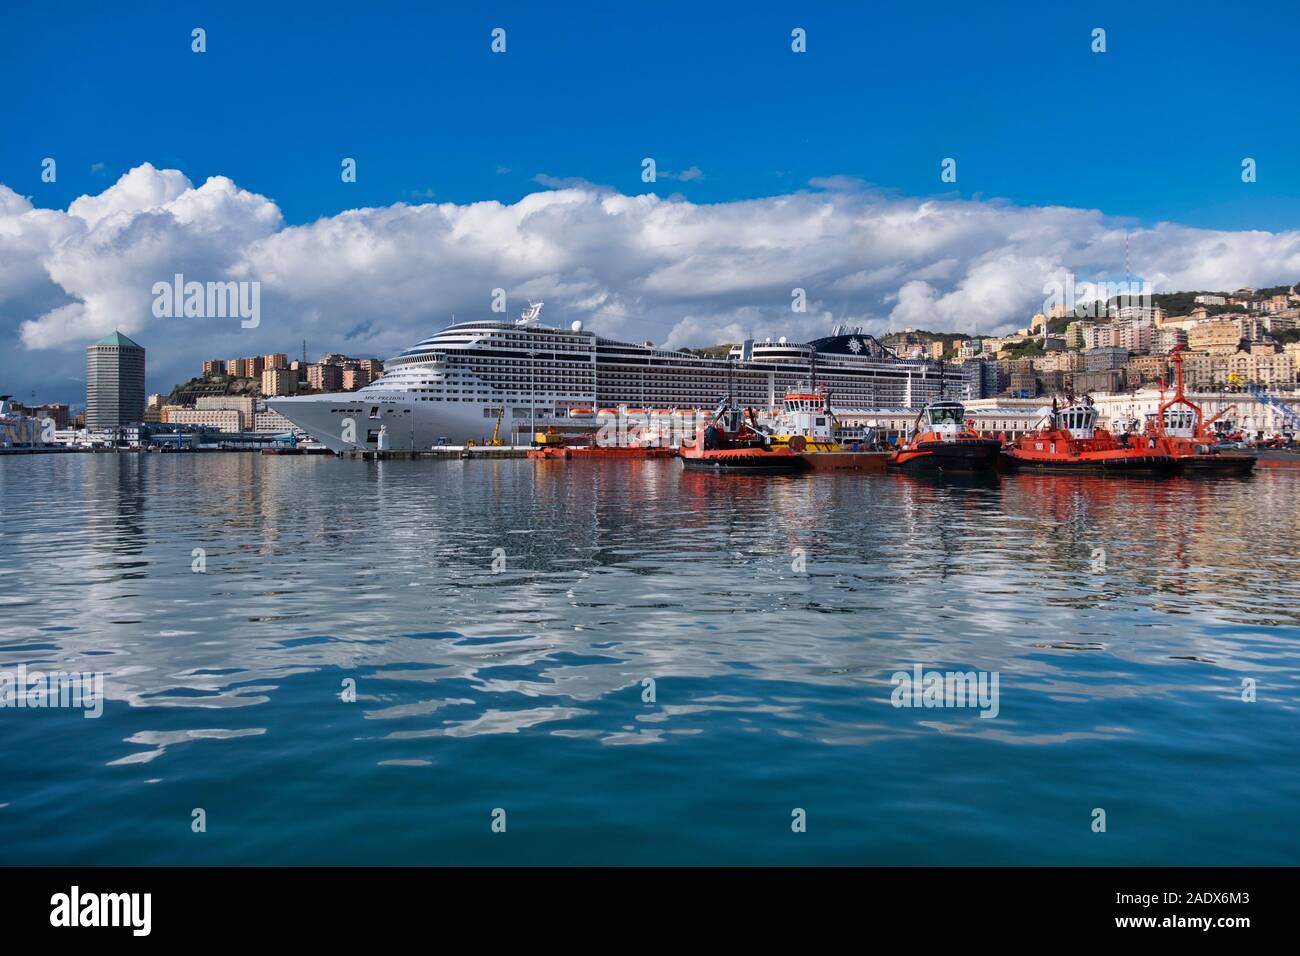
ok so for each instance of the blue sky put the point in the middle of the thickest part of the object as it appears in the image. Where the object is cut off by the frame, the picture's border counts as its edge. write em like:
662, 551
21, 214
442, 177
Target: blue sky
1155, 128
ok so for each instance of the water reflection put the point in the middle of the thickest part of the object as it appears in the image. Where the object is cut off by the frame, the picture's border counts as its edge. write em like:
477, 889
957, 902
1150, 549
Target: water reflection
763, 595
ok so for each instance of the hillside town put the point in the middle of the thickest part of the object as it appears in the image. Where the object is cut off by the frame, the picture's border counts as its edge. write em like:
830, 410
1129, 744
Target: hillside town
1229, 341
227, 395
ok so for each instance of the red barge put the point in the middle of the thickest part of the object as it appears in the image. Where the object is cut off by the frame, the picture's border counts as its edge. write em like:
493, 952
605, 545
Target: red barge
551, 446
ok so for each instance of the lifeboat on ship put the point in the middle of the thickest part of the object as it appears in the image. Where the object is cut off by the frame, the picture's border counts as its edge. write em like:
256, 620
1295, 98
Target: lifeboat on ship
944, 442
1069, 440
1179, 429
729, 443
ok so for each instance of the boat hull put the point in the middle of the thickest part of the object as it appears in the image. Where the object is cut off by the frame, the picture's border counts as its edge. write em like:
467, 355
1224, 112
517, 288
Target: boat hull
847, 460
743, 462
610, 453
966, 456
1095, 464
1277, 458
1225, 464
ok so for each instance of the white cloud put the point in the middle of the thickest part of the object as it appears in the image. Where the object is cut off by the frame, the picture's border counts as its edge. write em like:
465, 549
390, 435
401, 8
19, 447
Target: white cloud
694, 173
140, 190
372, 280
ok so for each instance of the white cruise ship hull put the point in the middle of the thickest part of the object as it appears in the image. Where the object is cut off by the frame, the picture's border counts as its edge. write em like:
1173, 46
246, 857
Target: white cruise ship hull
344, 421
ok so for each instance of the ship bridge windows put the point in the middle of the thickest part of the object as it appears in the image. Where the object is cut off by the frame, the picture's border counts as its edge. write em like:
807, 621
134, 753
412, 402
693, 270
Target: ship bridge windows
946, 413
1079, 420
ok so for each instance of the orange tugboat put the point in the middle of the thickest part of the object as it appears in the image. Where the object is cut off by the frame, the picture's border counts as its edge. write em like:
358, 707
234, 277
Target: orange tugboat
1179, 431
944, 443
1070, 441
727, 443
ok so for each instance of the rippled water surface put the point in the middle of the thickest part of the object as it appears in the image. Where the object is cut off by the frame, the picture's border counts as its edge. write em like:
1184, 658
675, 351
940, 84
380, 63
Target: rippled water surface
1122, 618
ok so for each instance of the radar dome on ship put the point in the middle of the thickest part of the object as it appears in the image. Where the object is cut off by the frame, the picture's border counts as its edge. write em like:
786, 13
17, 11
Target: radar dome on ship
577, 325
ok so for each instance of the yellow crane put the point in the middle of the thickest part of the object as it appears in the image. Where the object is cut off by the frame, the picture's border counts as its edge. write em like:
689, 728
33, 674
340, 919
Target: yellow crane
496, 429
496, 432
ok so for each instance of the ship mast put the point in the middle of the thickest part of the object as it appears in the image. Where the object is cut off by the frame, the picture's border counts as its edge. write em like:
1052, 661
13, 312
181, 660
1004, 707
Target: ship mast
1176, 357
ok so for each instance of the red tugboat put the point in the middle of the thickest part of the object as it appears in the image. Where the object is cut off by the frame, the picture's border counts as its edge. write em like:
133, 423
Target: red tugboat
727, 443
1070, 441
945, 443
1180, 431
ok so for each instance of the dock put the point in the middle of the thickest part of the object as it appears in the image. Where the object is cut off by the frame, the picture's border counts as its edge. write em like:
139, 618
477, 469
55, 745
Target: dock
443, 452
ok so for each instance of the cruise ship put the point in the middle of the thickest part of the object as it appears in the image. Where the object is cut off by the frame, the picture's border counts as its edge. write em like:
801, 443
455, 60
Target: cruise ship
457, 384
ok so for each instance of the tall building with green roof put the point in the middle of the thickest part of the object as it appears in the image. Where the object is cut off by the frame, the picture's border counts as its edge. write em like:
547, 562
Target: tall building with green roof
114, 382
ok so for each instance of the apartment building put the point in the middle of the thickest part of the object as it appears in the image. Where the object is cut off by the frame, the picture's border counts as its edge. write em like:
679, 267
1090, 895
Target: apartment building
223, 420
325, 377
1141, 369
1105, 358
269, 421
279, 381
1257, 367
242, 405
1214, 337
